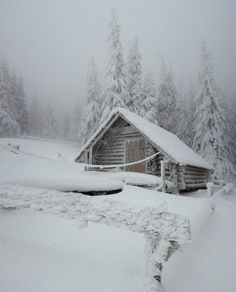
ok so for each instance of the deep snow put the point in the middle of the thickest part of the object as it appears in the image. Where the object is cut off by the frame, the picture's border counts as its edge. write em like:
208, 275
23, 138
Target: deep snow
40, 252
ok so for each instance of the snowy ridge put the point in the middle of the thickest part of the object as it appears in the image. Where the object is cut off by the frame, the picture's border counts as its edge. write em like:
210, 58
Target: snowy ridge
164, 232
84, 183
167, 142
151, 220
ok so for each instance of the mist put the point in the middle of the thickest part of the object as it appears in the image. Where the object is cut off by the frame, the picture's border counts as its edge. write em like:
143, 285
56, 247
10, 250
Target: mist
49, 43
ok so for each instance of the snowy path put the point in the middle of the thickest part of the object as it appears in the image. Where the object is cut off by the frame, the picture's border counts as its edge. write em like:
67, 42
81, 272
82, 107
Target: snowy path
208, 264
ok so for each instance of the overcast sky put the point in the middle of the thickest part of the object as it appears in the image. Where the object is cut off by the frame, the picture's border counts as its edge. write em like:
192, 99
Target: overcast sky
50, 42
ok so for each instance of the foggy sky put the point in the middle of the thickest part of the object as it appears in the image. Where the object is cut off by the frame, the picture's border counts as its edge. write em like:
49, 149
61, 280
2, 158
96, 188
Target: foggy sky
50, 42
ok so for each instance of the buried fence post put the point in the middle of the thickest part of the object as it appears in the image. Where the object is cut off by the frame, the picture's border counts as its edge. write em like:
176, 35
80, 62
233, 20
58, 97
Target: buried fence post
210, 186
163, 173
156, 255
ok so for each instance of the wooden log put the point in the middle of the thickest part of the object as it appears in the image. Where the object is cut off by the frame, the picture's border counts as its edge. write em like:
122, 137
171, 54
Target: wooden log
195, 169
195, 186
110, 155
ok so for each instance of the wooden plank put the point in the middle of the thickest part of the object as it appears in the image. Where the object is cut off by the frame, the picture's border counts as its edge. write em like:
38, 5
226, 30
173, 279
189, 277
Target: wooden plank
110, 155
186, 177
196, 172
195, 169
135, 150
104, 130
195, 181
195, 186
108, 162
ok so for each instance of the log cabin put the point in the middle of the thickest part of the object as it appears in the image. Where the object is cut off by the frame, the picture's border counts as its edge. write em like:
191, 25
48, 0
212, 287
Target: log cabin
125, 137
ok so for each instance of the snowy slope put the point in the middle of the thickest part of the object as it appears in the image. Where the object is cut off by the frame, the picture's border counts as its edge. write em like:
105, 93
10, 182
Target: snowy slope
40, 252
37, 165
43, 148
208, 264
197, 210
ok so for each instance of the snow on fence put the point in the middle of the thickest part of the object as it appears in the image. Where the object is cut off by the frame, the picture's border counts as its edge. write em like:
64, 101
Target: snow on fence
164, 232
219, 188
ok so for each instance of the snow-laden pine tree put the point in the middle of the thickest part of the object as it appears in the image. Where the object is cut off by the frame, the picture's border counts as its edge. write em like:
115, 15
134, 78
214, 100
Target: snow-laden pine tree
49, 123
232, 117
134, 79
166, 101
184, 113
211, 136
17, 97
233, 123
22, 107
115, 93
92, 111
35, 120
77, 121
8, 118
67, 128
148, 103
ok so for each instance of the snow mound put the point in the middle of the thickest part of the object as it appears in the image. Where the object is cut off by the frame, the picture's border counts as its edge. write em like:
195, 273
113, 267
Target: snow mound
84, 183
138, 179
197, 210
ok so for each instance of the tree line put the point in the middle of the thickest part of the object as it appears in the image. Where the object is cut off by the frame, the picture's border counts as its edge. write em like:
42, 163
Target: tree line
17, 117
13, 107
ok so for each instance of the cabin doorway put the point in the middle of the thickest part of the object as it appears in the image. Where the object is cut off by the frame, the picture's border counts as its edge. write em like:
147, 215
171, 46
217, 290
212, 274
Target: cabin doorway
135, 151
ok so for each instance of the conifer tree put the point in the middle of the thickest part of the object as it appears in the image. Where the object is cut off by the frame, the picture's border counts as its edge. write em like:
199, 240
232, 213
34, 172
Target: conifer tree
35, 120
166, 101
8, 120
77, 121
115, 92
22, 107
148, 100
67, 128
184, 113
134, 79
49, 123
211, 137
91, 114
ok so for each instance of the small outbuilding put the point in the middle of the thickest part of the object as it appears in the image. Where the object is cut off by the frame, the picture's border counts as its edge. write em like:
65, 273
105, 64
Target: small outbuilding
125, 137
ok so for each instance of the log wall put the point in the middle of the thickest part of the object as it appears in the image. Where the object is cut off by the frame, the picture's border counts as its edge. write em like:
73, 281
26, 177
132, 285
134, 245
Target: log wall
111, 148
195, 177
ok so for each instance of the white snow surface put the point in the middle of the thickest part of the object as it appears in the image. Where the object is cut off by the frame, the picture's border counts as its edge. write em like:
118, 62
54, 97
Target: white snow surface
137, 179
169, 143
84, 183
41, 252
43, 148
197, 211
35, 166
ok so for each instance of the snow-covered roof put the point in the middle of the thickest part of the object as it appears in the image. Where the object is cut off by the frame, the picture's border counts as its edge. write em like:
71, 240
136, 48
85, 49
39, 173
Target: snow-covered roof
164, 140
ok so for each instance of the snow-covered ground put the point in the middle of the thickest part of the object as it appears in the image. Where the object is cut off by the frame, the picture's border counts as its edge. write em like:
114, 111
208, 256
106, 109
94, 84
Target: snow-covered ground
43, 148
41, 252
37, 164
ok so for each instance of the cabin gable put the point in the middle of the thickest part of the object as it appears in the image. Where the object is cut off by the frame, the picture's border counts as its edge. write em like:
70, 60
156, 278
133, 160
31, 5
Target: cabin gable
116, 145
